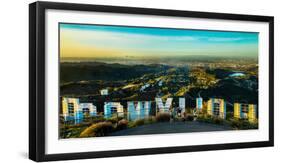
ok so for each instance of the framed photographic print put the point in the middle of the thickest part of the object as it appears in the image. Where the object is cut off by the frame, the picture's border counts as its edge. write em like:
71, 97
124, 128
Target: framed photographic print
110, 81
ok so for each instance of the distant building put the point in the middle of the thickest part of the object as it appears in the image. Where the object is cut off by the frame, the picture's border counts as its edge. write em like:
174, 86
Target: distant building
160, 83
72, 109
104, 92
111, 108
216, 107
199, 103
245, 111
144, 87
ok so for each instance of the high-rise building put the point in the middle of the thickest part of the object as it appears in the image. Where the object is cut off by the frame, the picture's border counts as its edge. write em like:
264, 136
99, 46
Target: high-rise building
245, 111
217, 108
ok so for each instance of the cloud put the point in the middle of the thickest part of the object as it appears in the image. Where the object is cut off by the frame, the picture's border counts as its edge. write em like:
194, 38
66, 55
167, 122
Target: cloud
224, 39
119, 37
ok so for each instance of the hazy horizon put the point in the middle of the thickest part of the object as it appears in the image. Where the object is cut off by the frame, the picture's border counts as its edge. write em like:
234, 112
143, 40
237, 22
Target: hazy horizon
134, 43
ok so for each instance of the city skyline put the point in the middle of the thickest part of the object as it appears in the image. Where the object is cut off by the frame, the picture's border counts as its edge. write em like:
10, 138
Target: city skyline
98, 41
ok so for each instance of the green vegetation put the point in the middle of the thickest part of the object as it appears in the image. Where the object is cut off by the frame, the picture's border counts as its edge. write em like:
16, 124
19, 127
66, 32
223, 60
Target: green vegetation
182, 91
189, 118
150, 120
128, 82
201, 79
114, 119
209, 119
84, 71
72, 131
102, 127
242, 124
86, 79
239, 124
136, 123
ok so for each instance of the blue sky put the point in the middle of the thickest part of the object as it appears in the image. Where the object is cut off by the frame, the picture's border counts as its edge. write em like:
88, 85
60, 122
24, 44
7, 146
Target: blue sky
97, 40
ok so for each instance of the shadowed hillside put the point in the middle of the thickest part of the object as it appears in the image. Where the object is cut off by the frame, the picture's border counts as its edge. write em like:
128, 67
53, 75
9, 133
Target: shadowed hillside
73, 72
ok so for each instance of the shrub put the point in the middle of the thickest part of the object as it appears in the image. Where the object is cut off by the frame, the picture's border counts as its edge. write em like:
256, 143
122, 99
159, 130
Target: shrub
217, 120
150, 120
242, 124
136, 123
98, 129
247, 125
209, 119
96, 119
229, 115
180, 119
112, 120
189, 118
200, 117
236, 123
188, 110
204, 118
163, 117
79, 125
71, 132
139, 122
253, 125
131, 124
122, 124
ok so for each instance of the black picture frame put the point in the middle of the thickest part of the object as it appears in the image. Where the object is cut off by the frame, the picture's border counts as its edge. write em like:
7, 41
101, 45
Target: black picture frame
37, 79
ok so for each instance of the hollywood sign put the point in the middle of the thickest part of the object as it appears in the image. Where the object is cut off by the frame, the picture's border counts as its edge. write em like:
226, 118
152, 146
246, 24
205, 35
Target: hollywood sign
71, 107
141, 107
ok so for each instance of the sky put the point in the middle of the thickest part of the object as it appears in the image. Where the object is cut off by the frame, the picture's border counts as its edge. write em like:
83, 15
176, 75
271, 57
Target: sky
98, 41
